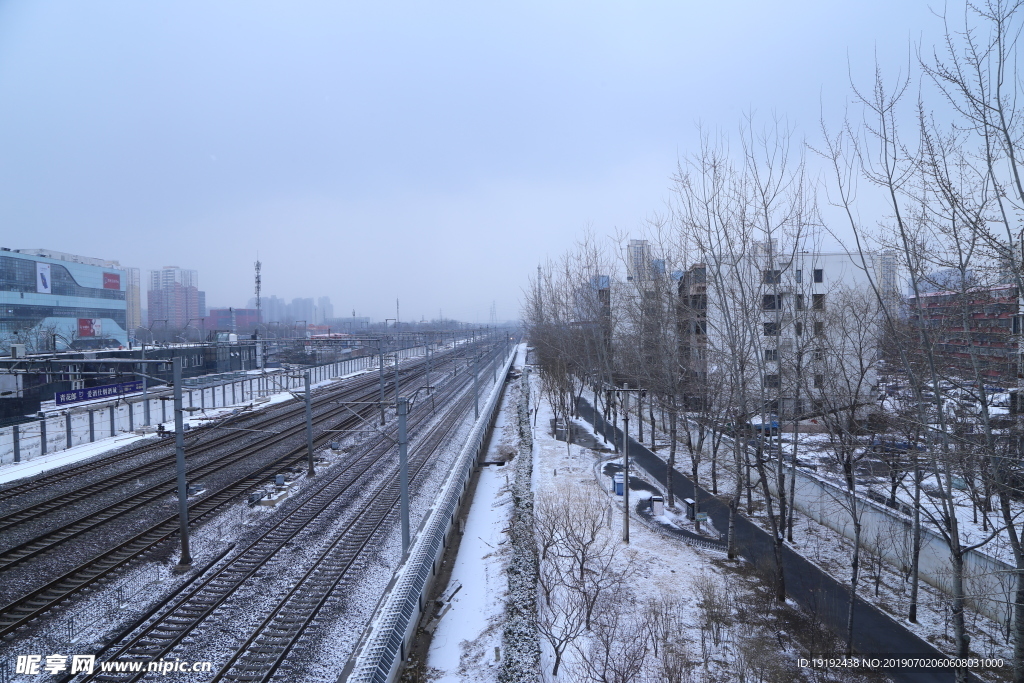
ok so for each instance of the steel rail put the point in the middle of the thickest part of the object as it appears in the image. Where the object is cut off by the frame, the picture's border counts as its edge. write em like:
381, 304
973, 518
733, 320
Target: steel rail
188, 611
23, 610
34, 511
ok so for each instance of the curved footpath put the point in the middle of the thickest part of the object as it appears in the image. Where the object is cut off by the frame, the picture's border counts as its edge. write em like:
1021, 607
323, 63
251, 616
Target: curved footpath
875, 633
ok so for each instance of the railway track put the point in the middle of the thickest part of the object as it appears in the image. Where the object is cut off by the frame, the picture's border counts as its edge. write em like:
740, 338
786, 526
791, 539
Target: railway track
27, 486
292, 425
198, 442
29, 607
262, 652
202, 443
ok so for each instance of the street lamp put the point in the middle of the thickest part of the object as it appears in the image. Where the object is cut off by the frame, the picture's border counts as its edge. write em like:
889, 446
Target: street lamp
625, 392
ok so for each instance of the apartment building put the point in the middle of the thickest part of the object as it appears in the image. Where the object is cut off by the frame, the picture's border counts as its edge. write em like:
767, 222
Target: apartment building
784, 328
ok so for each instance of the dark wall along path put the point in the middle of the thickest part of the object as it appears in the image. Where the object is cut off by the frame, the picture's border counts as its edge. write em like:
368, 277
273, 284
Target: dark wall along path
875, 633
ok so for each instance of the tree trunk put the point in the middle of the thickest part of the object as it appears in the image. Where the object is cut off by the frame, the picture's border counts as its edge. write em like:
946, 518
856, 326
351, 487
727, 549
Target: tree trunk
855, 569
715, 443
1018, 602
915, 550
640, 415
735, 502
650, 413
671, 456
792, 486
780, 473
960, 637
780, 577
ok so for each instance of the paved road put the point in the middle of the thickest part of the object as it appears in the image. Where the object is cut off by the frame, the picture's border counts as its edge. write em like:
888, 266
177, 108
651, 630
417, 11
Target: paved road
875, 633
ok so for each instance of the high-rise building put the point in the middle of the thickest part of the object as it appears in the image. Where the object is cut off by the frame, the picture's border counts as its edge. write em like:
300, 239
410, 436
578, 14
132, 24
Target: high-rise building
325, 309
49, 299
133, 297
778, 316
174, 297
302, 310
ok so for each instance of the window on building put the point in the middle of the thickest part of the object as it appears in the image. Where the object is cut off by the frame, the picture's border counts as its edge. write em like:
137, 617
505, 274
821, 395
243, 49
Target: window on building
819, 354
819, 274
771, 329
771, 381
700, 274
773, 277
799, 301
818, 302
1016, 324
799, 328
700, 327
819, 329
799, 276
819, 381
699, 301
771, 354
771, 302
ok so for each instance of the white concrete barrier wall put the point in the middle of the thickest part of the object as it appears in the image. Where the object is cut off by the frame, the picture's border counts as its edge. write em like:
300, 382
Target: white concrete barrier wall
129, 413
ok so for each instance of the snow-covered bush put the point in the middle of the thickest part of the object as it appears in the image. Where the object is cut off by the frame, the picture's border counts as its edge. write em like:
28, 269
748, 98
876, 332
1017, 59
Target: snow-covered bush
521, 661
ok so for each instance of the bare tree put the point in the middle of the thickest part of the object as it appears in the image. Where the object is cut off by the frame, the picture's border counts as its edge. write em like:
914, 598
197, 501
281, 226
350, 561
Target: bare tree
561, 622
620, 644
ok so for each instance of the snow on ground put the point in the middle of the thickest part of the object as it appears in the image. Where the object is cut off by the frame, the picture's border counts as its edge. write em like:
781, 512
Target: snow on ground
881, 584
659, 568
43, 463
462, 647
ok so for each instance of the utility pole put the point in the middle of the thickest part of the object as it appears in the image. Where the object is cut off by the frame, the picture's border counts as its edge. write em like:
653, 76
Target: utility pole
476, 387
396, 376
403, 471
427, 345
625, 464
624, 400
380, 354
179, 448
309, 427
145, 389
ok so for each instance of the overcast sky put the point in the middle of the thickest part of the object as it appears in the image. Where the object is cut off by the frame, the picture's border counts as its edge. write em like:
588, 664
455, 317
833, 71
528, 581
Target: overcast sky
433, 152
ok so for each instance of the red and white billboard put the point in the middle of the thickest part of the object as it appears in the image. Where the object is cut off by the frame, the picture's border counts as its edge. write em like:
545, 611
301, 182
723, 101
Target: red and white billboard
111, 281
90, 327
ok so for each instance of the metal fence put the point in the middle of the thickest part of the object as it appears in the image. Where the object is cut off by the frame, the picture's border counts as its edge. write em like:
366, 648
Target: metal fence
58, 430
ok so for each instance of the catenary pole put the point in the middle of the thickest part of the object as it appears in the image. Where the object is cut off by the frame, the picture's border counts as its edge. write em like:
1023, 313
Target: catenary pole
179, 452
380, 355
476, 387
145, 389
309, 427
403, 468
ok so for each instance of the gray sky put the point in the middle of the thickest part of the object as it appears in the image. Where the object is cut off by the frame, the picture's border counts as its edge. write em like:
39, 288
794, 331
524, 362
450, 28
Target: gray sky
434, 152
